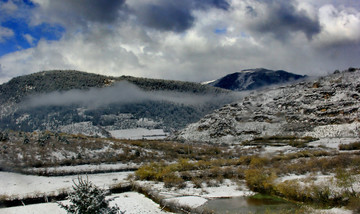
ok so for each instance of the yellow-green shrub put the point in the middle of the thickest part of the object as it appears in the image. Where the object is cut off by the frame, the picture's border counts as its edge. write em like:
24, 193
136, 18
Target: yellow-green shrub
291, 189
149, 171
259, 161
260, 180
173, 180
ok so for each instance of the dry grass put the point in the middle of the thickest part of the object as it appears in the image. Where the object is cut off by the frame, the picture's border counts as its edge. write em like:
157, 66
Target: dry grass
46, 149
201, 164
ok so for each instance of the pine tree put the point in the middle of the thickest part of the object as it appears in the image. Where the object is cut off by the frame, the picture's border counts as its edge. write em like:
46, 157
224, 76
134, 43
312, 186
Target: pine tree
88, 199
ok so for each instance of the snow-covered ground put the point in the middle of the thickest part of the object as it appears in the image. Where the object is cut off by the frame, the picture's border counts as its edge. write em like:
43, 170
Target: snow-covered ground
190, 201
196, 197
139, 133
331, 211
86, 128
130, 202
333, 142
269, 150
15, 186
20, 186
336, 131
320, 180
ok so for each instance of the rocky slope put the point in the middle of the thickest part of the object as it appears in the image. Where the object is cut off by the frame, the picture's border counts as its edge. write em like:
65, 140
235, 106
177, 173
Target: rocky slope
251, 79
326, 107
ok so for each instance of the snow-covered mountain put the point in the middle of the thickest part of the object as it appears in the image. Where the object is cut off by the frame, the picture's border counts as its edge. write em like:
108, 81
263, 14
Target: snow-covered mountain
251, 79
324, 108
91, 104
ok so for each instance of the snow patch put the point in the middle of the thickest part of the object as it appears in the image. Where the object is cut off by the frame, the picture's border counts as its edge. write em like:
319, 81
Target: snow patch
207, 82
85, 128
22, 118
194, 197
139, 133
276, 149
333, 142
336, 131
190, 201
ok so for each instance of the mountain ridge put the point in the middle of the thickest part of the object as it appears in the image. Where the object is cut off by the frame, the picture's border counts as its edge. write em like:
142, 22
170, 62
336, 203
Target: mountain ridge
63, 80
251, 79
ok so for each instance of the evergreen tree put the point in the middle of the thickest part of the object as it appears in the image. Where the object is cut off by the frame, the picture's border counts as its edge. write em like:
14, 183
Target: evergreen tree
88, 199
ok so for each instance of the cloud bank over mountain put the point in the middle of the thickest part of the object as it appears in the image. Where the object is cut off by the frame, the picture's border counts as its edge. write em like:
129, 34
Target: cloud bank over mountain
121, 93
184, 40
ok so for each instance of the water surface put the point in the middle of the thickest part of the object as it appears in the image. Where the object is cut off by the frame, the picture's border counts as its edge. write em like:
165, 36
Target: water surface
258, 204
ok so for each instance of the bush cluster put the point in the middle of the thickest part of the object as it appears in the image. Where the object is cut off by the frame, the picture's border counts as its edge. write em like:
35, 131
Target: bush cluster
261, 177
261, 173
175, 175
351, 146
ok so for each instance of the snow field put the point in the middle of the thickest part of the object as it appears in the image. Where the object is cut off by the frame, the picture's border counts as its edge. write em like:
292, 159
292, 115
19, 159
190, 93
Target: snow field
17, 186
138, 133
130, 202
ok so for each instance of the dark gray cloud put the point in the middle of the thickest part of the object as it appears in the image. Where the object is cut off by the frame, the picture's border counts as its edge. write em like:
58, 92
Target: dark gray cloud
251, 11
282, 18
163, 15
174, 16
221, 4
79, 13
171, 16
94, 10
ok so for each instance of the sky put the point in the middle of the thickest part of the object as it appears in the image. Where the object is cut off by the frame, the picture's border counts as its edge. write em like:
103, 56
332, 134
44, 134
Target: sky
190, 40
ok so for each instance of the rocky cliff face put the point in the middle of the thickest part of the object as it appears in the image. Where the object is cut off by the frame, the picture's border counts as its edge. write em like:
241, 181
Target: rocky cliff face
326, 107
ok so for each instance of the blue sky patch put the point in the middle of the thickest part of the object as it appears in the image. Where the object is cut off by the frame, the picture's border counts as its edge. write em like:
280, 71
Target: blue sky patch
220, 31
26, 36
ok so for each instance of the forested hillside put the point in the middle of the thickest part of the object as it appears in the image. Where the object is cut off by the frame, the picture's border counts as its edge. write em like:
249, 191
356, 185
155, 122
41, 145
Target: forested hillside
26, 102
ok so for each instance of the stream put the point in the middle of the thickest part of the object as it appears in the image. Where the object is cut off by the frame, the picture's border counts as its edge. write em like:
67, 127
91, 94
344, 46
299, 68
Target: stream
258, 204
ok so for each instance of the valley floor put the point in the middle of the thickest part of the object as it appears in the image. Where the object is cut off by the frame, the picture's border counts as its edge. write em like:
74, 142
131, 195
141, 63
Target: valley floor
130, 202
191, 179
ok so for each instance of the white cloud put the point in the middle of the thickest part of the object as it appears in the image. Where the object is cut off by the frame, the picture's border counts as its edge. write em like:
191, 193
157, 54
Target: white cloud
340, 26
121, 93
8, 7
29, 39
5, 33
126, 47
104, 56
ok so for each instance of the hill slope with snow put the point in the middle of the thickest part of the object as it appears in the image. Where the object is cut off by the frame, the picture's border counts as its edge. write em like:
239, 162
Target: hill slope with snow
327, 107
92, 104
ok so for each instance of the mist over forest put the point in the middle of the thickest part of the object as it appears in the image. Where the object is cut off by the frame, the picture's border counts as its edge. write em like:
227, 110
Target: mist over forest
122, 93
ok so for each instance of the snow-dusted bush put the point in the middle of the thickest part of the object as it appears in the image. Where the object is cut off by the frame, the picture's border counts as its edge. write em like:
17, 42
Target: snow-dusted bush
88, 199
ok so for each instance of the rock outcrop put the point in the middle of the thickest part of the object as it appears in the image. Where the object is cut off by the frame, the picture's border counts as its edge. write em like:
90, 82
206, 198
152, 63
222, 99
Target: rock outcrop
325, 107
